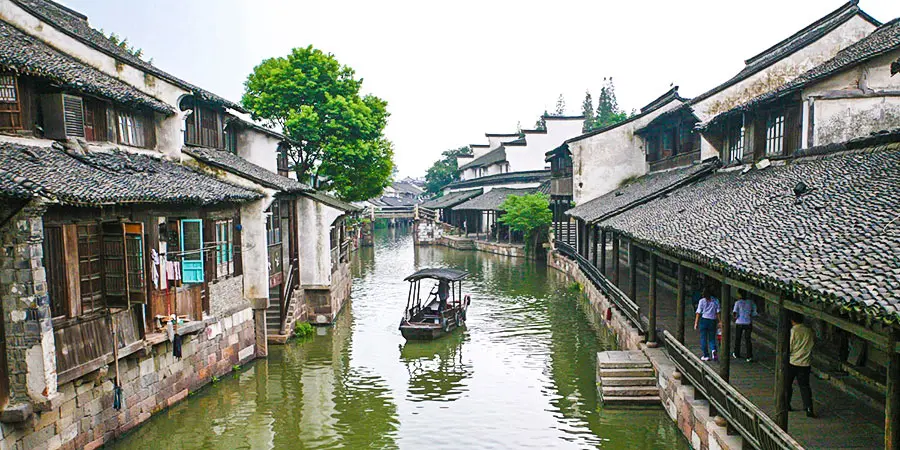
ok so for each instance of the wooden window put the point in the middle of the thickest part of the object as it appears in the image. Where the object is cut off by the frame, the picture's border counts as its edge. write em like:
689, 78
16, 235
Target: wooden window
283, 166
224, 248
95, 120
204, 127
192, 250
55, 267
775, 133
89, 267
231, 139
273, 237
132, 129
123, 264
10, 109
73, 115
735, 139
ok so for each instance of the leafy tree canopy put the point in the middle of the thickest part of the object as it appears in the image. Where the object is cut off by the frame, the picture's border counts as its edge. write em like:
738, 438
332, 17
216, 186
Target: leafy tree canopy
444, 171
338, 134
529, 214
561, 106
608, 112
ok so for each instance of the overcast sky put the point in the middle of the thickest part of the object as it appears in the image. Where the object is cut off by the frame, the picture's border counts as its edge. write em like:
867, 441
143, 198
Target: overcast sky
452, 71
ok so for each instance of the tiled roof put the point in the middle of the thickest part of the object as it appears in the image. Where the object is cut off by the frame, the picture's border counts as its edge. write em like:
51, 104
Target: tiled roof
333, 202
491, 200
637, 191
26, 55
76, 25
544, 188
451, 199
518, 142
528, 176
406, 187
239, 166
883, 40
839, 242
97, 178
797, 41
393, 201
492, 157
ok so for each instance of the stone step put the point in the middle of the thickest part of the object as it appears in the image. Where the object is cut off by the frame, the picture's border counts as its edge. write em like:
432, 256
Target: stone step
624, 365
628, 381
629, 391
629, 401
630, 373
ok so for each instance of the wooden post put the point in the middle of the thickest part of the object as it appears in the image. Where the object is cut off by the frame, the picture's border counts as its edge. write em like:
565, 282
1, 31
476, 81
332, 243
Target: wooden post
603, 252
632, 271
596, 239
651, 333
782, 347
725, 351
892, 400
615, 259
679, 306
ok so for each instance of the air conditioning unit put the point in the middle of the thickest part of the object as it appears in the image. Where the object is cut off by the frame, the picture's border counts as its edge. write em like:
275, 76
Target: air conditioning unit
63, 116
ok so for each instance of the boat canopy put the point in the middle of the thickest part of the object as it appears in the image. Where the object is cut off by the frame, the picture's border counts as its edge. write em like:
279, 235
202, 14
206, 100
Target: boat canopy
438, 274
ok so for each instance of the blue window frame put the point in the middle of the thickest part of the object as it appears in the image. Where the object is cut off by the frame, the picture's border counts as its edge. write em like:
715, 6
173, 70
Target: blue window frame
192, 251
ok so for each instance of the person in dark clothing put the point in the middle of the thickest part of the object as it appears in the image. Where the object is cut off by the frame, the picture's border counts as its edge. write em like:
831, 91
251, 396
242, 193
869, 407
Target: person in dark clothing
744, 312
443, 294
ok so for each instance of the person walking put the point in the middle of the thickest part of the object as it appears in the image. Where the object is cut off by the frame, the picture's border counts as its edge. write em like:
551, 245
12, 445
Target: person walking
707, 321
802, 341
744, 312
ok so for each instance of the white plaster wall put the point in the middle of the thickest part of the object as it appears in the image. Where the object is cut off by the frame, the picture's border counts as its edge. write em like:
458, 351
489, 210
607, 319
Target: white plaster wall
600, 162
495, 186
842, 119
463, 160
532, 156
495, 141
254, 257
785, 70
259, 148
479, 151
315, 221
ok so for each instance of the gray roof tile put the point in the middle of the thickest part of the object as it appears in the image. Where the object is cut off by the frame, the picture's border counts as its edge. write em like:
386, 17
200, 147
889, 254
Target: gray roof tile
491, 200
239, 166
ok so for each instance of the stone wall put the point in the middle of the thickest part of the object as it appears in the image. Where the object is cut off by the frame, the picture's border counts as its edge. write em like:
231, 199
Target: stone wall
427, 232
152, 380
228, 295
341, 282
680, 402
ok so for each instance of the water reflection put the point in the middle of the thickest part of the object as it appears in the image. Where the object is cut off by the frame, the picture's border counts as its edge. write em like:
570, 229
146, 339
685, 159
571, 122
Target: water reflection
437, 370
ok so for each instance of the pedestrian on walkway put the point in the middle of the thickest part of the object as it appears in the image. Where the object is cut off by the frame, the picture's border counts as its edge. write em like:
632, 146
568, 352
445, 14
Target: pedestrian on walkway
707, 321
802, 341
744, 312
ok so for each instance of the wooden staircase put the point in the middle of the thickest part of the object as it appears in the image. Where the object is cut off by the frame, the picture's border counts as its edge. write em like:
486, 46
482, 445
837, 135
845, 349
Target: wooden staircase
626, 378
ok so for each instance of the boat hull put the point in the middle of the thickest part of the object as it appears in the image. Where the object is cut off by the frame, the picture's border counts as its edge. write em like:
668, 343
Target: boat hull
426, 331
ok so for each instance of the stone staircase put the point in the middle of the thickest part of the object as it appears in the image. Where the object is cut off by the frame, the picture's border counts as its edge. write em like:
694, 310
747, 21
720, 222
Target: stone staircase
626, 378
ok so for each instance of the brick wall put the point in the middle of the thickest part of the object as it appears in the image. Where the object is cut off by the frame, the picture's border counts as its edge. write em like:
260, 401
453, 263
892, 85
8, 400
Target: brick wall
152, 380
228, 295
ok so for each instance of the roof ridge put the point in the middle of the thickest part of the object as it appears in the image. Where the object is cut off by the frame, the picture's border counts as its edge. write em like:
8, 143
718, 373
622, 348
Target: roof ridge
852, 5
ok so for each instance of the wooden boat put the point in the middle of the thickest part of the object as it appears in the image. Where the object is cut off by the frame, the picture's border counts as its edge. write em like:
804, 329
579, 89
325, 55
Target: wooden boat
443, 309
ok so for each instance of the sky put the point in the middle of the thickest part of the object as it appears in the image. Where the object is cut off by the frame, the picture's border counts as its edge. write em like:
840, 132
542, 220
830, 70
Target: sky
452, 71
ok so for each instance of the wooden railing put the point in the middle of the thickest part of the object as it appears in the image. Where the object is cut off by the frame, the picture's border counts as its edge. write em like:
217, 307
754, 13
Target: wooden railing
757, 429
628, 307
84, 345
425, 213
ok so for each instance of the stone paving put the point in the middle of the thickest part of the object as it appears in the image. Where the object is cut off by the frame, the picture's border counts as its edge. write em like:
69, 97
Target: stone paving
844, 421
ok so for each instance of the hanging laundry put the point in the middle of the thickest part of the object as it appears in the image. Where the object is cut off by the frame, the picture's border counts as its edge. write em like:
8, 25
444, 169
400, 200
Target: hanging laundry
177, 271
154, 269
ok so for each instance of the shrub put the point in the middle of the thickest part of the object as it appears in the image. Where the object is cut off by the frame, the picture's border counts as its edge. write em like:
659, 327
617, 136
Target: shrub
303, 329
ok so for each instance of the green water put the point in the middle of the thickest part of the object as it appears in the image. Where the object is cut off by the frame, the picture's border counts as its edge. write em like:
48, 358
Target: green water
520, 375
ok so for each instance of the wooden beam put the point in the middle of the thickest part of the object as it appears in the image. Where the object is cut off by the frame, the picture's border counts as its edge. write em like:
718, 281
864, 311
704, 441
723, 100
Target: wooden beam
782, 346
632, 271
603, 252
725, 351
595, 235
878, 340
651, 332
892, 399
615, 259
679, 306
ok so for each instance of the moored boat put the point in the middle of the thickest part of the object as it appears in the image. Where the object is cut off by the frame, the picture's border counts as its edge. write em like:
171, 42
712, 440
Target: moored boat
443, 308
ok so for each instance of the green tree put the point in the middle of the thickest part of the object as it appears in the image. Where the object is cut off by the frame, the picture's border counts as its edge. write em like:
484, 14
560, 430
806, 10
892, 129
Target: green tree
444, 171
561, 106
337, 132
608, 112
528, 214
541, 124
587, 110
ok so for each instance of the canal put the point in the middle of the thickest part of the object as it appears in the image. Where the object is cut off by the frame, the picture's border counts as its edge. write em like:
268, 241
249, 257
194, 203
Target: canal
520, 375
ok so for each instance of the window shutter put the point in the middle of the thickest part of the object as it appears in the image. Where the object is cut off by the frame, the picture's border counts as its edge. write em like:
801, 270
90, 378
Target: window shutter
135, 263
236, 239
73, 115
192, 251
115, 280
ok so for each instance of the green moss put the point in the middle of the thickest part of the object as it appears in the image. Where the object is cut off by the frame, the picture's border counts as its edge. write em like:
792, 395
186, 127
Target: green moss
303, 329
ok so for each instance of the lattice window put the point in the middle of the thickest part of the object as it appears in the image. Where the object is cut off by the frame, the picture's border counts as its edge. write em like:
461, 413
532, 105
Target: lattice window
736, 141
8, 89
132, 129
775, 134
224, 248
